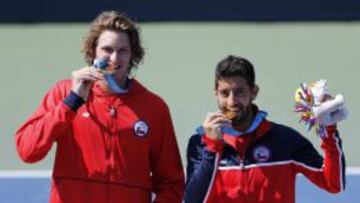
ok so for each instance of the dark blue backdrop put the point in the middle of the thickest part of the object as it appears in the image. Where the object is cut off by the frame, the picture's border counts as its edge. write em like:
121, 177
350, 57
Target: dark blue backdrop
182, 10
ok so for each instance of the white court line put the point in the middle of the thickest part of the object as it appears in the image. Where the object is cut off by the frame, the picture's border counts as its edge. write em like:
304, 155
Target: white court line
25, 174
353, 171
47, 173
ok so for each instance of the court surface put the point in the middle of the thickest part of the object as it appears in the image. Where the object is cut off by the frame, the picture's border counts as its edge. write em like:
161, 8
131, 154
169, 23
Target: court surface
34, 187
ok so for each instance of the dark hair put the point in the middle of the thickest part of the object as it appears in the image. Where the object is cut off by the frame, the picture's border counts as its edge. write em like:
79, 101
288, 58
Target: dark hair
112, 20
233, 66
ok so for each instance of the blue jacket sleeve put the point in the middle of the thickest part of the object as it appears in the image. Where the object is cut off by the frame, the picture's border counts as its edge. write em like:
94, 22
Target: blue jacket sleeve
200, 170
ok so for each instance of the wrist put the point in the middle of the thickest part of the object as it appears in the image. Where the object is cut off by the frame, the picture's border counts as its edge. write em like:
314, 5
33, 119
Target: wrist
213, 136
213, 145
74, 101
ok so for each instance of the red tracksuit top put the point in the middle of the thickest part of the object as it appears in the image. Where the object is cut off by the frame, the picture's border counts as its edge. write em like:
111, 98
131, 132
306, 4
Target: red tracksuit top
111, 149
260, 167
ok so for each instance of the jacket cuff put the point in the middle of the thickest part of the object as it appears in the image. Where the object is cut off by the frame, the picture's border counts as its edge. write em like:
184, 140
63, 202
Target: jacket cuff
73, 101
213, 145
331, 129
331, 133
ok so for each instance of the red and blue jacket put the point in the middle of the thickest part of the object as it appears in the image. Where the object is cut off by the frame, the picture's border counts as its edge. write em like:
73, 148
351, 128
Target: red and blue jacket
110, 149
260, 165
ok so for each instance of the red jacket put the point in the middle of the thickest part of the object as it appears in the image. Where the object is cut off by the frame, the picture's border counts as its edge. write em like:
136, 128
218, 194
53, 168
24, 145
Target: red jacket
261, 167
110, 149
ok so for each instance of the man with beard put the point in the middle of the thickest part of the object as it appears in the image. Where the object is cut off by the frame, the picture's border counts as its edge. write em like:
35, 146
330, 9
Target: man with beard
239, 156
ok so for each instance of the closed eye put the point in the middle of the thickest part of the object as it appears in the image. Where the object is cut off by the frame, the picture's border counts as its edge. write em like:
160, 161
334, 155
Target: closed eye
107, 49
123, 51
224, 93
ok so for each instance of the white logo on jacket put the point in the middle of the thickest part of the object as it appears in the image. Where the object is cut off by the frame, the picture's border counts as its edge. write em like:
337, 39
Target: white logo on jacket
85, 114
261, 154
141, 129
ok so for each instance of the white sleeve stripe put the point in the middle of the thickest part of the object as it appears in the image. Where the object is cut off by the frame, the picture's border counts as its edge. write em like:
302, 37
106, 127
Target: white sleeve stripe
269, 164
217, 156
341, 175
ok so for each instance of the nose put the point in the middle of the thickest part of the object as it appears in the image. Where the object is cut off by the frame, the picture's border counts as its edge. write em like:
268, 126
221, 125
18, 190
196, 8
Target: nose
114, 57
232, 100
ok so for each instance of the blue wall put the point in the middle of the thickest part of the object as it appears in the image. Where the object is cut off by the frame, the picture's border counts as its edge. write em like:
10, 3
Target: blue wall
182, 10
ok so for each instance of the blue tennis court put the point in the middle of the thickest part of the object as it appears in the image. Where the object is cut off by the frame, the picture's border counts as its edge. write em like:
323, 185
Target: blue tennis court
34, 187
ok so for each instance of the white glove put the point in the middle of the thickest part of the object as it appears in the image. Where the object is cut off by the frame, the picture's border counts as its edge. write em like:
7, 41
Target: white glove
331, 111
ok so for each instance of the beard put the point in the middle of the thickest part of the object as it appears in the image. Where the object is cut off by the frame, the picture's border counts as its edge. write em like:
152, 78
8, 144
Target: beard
244, 118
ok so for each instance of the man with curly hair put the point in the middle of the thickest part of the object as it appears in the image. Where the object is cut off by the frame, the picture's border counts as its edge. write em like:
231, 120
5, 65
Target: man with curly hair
111, 146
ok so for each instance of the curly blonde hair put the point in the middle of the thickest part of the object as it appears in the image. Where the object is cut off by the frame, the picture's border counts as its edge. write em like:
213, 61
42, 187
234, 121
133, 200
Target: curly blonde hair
115, 21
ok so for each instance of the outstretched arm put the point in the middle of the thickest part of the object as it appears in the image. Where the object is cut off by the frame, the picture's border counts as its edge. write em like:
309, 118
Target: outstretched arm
328, 172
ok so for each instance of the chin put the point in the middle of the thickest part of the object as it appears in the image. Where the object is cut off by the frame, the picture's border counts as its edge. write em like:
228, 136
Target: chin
119, 76
240, 118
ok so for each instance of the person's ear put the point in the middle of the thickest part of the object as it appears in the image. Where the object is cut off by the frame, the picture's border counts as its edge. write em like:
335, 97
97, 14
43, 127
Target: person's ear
254, 92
